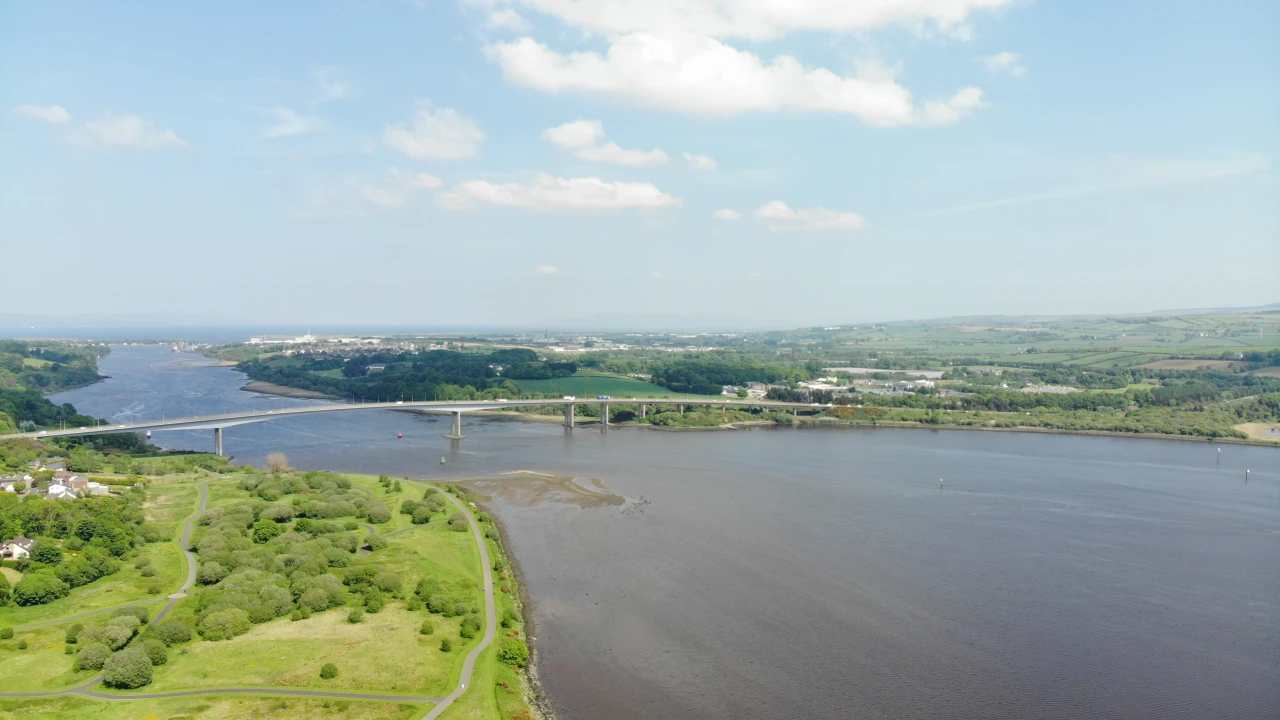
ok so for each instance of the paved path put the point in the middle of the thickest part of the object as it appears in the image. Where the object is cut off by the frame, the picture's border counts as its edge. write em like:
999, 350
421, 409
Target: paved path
490, 614
191, 557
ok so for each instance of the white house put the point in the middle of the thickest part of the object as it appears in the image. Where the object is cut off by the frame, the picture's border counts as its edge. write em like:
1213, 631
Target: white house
17, 548
97, 488
60, 492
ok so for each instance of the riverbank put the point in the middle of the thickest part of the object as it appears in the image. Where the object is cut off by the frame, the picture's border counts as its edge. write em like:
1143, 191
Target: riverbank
266, 388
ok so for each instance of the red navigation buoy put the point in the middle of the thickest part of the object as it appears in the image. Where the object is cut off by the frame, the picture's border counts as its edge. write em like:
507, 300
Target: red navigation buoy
399, 435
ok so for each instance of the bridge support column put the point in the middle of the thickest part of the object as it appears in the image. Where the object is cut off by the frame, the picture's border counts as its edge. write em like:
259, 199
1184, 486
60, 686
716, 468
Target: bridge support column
568, 415
642, 409
681, 408
217, 441
604, 416
455, 432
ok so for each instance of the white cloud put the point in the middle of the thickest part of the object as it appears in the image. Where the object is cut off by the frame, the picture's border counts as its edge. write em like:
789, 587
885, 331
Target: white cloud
331, 85
53, 113
506, 19
289, 122
703, 76
547, 270
435, 134
382, 197
582, 138
727, 214
761, 19
127, 131
421, 181
551, 194
700, 162
1005, 62
1122, 174
777, 215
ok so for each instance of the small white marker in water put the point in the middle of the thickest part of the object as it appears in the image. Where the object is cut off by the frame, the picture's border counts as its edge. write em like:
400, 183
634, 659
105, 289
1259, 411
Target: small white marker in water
939, 483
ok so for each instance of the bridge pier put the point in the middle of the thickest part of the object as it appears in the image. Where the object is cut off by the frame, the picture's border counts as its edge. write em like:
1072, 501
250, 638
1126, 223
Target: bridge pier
680, 408
569, 411
604, 416
642, 409
455, 432
217, 441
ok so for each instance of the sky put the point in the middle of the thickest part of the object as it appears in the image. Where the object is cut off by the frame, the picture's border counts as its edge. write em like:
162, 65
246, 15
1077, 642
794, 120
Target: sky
559, 162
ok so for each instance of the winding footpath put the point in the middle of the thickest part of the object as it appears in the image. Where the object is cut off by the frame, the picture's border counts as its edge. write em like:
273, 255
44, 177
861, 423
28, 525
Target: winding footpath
441, 703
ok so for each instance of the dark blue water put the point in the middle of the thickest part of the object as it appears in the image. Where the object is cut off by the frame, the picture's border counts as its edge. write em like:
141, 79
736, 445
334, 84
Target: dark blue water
824, 574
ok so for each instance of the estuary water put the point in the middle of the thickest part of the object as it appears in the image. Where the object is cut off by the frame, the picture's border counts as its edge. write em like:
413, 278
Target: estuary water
825, 573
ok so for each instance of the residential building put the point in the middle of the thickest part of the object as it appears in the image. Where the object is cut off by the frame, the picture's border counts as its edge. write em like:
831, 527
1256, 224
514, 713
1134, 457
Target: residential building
18, 548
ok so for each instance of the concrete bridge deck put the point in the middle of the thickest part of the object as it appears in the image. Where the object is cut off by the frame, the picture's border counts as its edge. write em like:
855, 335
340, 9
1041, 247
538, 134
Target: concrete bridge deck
457, 408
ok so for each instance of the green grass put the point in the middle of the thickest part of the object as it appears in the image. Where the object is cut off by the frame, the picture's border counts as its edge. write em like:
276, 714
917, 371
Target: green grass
586, 384
244, 707
36, 362
385, 653
43, 665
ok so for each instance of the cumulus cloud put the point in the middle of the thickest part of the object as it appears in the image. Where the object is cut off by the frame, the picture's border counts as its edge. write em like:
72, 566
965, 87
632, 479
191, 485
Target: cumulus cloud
506, 19
700, 162
551, 194
700, 75
777, 215
331, 85
435, 134
1005, 62
582, 138
52, 113
127, 131
546, 270
288, 122
417, 180
758, 20
727, 214
382, 197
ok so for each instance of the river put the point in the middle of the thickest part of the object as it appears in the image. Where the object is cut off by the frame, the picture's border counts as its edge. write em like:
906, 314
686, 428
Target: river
824, 573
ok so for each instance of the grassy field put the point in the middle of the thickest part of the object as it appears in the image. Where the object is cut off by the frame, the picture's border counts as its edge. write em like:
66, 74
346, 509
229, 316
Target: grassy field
590, 383
208, 708
42, 666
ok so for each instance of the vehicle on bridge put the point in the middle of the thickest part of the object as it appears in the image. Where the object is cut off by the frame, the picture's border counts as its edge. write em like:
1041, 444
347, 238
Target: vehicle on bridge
603, 397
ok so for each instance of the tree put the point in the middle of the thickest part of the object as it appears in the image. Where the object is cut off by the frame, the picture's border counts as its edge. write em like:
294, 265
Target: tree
328, 671
92, 657
39, 589
379, 513
6, 633
355, 616
73, 633
265, 530
129, 668
156, 651
6, 593
373, 601
421, 515
514, 652
387, 581
47, 554
445, 645
225, 624
279, 512
174, 632
278, 463
211, 573
428, 627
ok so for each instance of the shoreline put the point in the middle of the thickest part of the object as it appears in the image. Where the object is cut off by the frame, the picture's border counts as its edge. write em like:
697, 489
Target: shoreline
272, 389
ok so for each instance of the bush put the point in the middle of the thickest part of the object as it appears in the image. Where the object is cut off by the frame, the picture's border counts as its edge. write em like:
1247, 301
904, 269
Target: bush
427, 628
129, 668
446, 646
265, 531
375, 542
47, 554
73, 633
211, 573
141, 613
414, 604
355, 616
91, 657
39, 589
225, 624
302, 612
173, 632
388, 581
509, 619
22, 644
458, 522
314, 599
6, 633
373, 601
278, 512
421, 516
329, 671
156, 651
514, 652
379, 513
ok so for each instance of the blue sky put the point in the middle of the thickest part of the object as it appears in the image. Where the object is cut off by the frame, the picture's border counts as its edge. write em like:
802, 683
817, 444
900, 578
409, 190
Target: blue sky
547, 161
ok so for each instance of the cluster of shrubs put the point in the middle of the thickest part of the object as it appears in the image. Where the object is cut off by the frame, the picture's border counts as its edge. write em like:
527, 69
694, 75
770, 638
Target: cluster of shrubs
317, 495
79, 541
421, 512
388, 484
126, 647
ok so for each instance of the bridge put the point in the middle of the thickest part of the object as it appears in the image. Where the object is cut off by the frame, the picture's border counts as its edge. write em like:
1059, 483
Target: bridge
457, 407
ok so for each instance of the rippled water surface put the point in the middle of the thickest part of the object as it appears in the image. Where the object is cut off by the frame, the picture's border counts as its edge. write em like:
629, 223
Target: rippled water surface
824, 573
